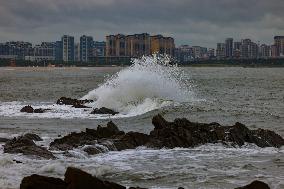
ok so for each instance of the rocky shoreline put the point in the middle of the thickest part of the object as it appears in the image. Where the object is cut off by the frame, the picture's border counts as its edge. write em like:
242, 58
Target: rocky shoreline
179, 133
77, 179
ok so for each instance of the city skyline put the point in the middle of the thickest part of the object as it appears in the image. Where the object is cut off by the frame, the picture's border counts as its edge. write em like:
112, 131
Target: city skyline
203, 23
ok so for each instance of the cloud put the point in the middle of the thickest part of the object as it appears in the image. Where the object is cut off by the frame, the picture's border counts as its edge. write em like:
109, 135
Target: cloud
194, 22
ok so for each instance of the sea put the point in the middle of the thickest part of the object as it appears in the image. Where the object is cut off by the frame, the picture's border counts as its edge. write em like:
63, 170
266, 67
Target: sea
252, 96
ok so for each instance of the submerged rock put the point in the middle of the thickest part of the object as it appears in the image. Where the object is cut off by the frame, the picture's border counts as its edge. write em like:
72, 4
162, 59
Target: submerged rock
71, 101
26, 146
104, 110
255, 185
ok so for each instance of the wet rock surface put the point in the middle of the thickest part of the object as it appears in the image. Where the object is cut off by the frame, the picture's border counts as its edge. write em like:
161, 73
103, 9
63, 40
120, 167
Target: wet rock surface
183, 133
25, 145
30, 109
71, 101
78, 179
27, 109
179, 133
255, 185
104, 110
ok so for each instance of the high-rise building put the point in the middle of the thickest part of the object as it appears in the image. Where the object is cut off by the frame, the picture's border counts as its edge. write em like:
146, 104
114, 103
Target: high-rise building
279, 44
16, 50
68, 48
137, 45
229, 47
211, 53
77, 52
274, 52
162, 45
220, 51
184, 53
264, 51
245, 48
237, 49
86, 48
199, 52
99, 49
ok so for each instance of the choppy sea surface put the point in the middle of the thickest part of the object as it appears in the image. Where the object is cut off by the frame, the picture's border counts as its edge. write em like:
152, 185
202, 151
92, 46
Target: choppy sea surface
253, 96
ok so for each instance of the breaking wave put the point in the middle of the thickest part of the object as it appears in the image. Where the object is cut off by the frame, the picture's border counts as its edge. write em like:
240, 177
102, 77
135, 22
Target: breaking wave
151, 82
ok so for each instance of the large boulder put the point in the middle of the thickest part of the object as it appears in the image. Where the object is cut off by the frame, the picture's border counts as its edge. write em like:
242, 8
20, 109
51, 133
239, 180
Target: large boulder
42, 182
26, 146
183, 133
77, 179
255, 185
104, 110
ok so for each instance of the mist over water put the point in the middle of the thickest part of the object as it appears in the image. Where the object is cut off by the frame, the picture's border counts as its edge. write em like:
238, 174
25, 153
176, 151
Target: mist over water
151, 82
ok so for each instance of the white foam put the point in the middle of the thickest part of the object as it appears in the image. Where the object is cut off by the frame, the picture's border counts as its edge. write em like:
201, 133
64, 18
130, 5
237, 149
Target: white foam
149, 83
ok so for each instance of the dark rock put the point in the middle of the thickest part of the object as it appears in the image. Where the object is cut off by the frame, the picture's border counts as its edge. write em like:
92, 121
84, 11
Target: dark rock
26, 146
3, 140
39, 110
77, 179
92, 150
70, 101
80, 106
42, 182
255, 185
17, 161
131, 140
104, 110
183, 133
33, 137
90, 137
27, 109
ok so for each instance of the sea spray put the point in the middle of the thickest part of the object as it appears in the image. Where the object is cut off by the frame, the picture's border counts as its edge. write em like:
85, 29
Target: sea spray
151, 82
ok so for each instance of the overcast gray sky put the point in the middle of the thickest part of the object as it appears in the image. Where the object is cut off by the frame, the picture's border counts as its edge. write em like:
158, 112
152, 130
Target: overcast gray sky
193, 22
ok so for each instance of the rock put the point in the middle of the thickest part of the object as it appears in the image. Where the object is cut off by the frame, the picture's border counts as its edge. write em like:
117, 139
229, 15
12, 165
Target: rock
92, 150
27, 109
70, 101
26, 146
77, 179
3, 140
183, 133
42, 182
39, 110
33, 137
255, 185
131, 140
104, 110
80, 106
89, 137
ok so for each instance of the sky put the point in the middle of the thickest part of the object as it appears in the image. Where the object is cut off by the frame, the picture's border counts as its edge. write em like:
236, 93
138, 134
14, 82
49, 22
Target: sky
192, 22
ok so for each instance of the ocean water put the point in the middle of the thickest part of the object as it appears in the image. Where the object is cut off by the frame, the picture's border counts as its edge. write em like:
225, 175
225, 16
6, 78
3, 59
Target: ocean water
253, 96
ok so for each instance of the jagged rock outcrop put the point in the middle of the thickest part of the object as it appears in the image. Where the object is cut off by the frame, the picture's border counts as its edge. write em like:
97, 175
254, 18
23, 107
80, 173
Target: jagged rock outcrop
71, 101
104, 110
183, 133
89, 137
179, 133
25, 145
